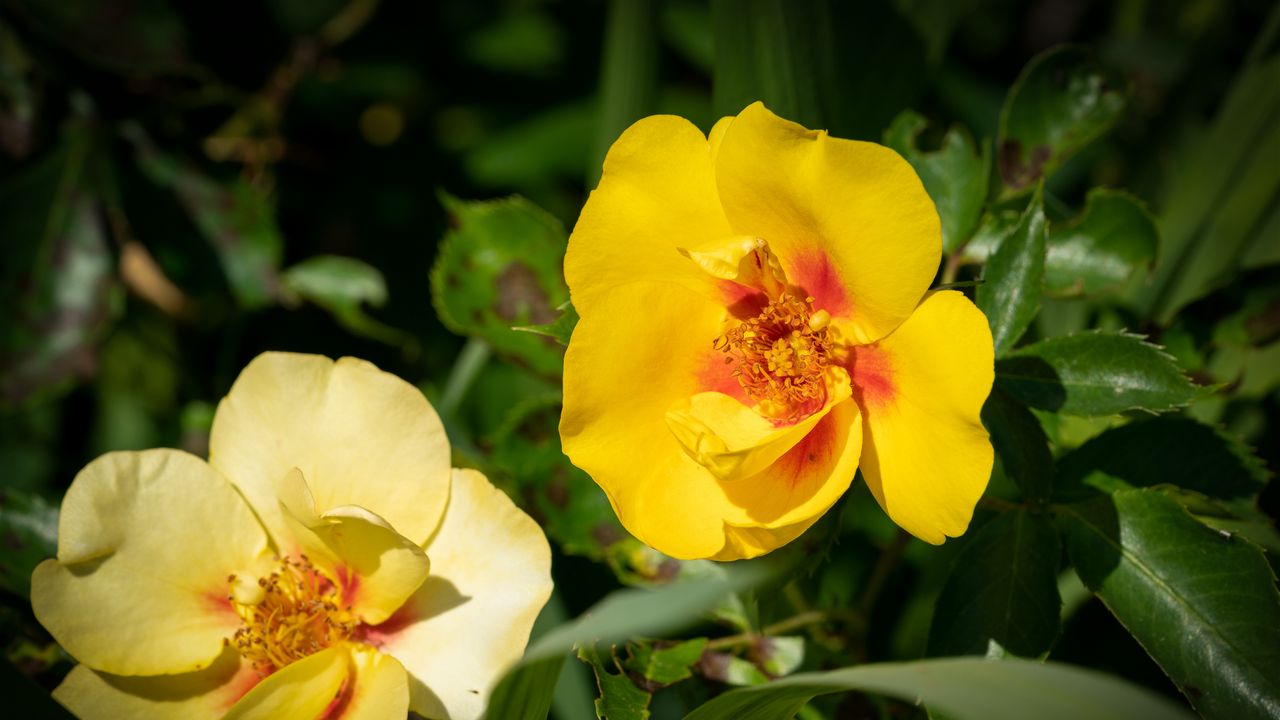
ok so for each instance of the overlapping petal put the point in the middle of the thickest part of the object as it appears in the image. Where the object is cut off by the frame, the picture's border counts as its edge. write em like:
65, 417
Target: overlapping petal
471, 619
376, 567
926, 456
360, 436
657, 194
205, 694
129, 592
850, 221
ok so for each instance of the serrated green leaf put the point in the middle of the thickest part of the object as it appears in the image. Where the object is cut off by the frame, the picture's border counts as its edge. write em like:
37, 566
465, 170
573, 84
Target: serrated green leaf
1021, 443
57, 278
499, 266
561, 329
955, 175
962, 688
665, 663
620, 699
1060, 103
1202, 603
29, 526
1168, 450
1003, 588
1095, 373
1113, 238
237, 220
1010, 292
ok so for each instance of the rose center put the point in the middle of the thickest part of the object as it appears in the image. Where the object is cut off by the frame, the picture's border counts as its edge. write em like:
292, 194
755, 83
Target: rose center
290, 614
780, 356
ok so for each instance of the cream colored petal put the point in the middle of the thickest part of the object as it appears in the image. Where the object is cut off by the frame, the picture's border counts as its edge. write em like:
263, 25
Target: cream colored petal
380, 688
360, 436
146, 541
470, 621
376, 568
201, 695
302, 690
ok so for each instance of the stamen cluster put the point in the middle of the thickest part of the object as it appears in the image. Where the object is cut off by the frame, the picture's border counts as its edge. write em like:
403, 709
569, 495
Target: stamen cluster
780, 356
298, 615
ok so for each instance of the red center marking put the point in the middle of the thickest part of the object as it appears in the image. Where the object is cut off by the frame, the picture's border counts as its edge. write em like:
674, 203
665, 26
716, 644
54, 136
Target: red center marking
813, 454
813, 272
871, 372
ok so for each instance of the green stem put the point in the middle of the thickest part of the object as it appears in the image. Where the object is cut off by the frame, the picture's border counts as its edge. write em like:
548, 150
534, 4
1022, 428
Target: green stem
470, 361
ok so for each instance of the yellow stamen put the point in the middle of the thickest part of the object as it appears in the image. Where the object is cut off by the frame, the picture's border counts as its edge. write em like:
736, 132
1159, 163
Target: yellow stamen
295, 612
780, 356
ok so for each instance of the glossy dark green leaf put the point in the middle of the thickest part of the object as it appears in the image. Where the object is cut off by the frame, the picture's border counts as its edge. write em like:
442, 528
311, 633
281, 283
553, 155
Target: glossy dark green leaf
342, 286
236, 219
1021, 443
29, 528
620, 698
1202, 603
955, 175
58, 292
1169, 450
665, 663
845, 67
962, 688
1095, 373
499, 266
1060, 103
560, 329
1003, 588
1010, 292
1114, 238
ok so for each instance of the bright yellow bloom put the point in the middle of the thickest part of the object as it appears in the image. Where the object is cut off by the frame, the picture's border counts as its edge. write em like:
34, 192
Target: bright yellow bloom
325, 562
755, 323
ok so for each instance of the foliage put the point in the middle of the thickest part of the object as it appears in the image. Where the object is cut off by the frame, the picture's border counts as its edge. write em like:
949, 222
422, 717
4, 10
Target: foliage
398, 181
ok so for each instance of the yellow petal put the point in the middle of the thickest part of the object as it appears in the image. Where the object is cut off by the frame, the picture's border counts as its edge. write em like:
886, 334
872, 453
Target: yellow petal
792, 493
657, 193
199, 695
734, 441
376, 568
299, 691
646, 347
146, 541
490, 576
360, 436
926, 455
850, 221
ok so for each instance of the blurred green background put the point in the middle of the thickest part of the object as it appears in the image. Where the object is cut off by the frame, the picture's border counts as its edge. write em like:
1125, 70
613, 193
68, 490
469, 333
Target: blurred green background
185, 185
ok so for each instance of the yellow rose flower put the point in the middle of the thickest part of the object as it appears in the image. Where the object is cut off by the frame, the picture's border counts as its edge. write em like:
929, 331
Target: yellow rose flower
755, 324
325, 562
